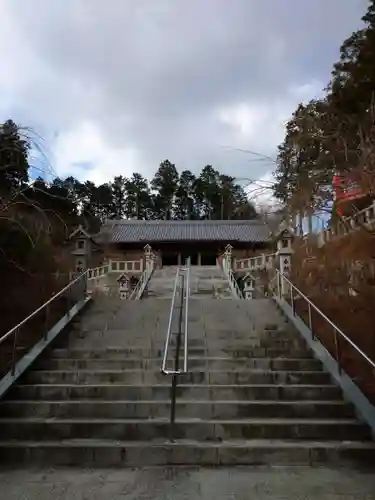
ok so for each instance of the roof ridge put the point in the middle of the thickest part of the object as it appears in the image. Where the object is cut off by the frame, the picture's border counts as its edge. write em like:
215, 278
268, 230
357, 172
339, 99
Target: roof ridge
204, 221
121, 231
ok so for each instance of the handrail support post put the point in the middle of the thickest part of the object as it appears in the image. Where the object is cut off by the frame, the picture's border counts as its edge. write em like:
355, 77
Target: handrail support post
13, 369
337, 350
46, 322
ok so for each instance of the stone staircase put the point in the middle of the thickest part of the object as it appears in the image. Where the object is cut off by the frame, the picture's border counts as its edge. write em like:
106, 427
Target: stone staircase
253, 395
209, 281
205, 282
161, 283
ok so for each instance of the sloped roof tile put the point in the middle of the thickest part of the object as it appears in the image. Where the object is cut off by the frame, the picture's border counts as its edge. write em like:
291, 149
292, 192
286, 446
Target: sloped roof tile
134, 231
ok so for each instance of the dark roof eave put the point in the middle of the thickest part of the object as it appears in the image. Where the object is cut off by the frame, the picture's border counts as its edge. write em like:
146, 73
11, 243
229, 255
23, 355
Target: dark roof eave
148, 240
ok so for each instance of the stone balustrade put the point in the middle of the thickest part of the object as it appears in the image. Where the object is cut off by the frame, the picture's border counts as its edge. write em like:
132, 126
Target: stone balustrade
264, 261
125, 266
97, 272
363, 218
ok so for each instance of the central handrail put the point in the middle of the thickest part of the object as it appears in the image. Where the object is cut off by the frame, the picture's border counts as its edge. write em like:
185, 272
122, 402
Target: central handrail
183, 278
181, 283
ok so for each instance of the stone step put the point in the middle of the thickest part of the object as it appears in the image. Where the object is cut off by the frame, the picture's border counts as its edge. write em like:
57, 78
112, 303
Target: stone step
193, 377
105, 453
196, 331
193, 363
197, 337
117, 352
184, 408
233, 343
199, 429
162, 392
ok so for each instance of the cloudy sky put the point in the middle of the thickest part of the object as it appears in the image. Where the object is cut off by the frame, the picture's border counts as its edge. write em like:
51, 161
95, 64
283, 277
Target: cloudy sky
117, 86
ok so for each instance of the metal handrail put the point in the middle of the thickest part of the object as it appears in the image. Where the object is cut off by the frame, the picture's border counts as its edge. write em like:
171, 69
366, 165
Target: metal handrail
184, 273
280, 276
186, 325
230, 277
13, 333
144, 279
43, 306
182, 279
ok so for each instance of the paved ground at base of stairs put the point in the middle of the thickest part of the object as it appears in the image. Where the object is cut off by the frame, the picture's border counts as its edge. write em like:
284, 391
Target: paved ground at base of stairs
238, 483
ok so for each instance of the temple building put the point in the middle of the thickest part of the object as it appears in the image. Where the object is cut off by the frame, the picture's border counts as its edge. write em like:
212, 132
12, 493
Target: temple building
123, 242
172, 241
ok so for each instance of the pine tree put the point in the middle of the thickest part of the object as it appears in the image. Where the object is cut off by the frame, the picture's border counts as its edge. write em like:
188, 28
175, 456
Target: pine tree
14, 164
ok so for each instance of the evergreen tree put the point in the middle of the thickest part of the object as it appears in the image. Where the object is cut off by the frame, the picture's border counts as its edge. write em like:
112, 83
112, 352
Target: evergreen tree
165, 184
14, 164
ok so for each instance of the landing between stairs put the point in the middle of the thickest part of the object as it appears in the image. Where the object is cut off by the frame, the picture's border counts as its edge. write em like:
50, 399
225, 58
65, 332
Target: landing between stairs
188, 483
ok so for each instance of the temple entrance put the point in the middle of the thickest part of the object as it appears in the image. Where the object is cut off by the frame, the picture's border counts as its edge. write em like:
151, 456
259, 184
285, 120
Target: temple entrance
208, 259
169, 259
193, 258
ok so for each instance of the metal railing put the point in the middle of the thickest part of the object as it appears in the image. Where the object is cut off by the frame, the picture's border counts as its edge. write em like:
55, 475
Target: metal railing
236, 291
138, 290
182, 289
21, 338
287, 290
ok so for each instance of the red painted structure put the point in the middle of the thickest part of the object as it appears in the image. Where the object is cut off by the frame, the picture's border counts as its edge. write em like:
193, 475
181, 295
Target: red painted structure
348, 193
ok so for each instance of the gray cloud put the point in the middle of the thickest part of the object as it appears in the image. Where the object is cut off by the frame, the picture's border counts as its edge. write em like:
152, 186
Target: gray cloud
176, 79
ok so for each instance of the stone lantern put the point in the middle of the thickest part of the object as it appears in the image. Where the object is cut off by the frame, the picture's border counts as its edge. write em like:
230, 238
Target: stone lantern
148, 255
285, 252
228, 255
123, 286
249, 286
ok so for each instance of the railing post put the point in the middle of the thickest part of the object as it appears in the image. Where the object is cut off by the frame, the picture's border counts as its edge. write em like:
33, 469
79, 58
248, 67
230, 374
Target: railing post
46, 322
278, 283
337, 350
69, 299
13, 369
292, 300
310, 321
85, 284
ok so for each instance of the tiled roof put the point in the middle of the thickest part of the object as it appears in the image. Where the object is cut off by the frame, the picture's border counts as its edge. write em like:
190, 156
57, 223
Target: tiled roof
133, 231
